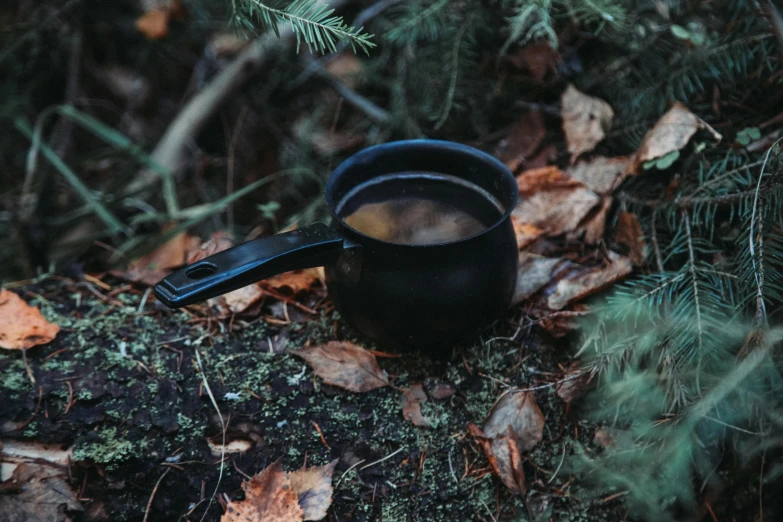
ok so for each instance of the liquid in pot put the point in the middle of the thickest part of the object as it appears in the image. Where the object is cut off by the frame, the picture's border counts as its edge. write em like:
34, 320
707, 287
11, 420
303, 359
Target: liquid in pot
419, 208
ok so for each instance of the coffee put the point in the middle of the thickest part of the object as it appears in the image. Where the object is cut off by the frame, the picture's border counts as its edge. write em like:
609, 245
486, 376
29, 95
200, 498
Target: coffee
419, 208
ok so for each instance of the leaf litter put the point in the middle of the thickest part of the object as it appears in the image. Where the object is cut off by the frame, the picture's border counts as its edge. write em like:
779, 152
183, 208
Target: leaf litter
22, 326
345, 365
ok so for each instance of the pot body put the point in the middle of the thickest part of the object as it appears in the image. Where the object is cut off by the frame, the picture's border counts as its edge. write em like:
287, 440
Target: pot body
424, 296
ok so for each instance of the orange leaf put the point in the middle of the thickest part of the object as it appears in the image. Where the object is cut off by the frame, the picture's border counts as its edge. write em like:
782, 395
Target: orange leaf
504, 458
583, 283
520, 412
344, 364
269, 497
523, 140
295, 281
629, 233
21, 325
154, 24
151, 268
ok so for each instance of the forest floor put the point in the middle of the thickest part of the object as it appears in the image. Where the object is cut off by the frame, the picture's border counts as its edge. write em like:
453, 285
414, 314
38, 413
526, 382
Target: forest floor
121, 385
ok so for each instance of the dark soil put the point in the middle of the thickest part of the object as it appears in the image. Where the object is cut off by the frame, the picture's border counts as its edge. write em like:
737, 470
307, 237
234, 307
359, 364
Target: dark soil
136, 416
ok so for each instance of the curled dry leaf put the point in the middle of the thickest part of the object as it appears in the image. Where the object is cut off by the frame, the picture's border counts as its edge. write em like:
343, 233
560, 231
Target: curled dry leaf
412, 399
21, 325
629, 233
218, 242
36, 493
553, 201
269, 497
671, 133
156, 265
504, 458
16, 452
582, 283
523, 141
602, 175
585, 120
295, 281
534, 274
519, 411
313, 487
345, 365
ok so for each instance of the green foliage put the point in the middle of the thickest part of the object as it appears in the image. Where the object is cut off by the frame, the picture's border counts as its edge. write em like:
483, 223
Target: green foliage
310, 21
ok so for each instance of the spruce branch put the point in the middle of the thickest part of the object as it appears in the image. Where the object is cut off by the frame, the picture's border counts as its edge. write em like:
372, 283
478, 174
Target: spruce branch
310, 21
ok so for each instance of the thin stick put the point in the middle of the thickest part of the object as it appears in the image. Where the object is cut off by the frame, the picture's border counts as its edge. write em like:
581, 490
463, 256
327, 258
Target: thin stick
152, 495
223, 425
381, 460
27, 365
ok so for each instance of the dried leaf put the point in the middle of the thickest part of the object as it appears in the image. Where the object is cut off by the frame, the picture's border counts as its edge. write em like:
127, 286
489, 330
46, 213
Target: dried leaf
671, 133
412, 399
629, 233
585, 120
294, 282
154, 24
344, 364
526, 233
560, 324
37, 493
21, 325
218, 242
442, 391
534, 273
314, 489
538, 58
268, 498
602, 175
581, 284
591, 230
504, 458
523, 140
156, 265
519, 411
553, 201
15, 452
243, 298
234, 446
575, 386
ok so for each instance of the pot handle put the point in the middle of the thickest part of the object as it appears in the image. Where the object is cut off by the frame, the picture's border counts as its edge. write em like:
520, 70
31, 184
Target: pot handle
245, 264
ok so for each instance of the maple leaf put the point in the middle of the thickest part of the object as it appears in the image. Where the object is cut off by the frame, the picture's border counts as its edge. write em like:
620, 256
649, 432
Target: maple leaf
269, 497
344, 364
412, 400
21, 325
585, 120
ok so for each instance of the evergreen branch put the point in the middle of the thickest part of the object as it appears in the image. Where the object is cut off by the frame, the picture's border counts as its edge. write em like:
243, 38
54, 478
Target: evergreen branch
424, 22
454, 73
311, 22
696, 298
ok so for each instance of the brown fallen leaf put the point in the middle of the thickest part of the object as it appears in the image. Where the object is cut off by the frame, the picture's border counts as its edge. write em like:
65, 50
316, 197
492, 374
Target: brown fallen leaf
582, 283
269, 497
218, 242
21, 325
523, 140
671, 133
553, 201
534, 274
602, 175
293, 282
628, 233
561, 323
156, 265
574, 383
585, 120
526, 233
591, 229
154, 24
16, 452
442, 391
519, 411
412, 400
344, 364
538, 58
36, 493
314, 488
504, 458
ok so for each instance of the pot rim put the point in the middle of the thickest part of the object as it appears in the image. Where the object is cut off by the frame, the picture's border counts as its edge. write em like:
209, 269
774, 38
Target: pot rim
364, 154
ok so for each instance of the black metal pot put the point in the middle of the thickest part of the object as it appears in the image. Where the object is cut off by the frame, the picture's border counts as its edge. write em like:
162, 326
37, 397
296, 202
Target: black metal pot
403, 296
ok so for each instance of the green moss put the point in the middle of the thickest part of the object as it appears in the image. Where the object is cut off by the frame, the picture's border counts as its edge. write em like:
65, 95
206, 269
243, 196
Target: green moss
106, 447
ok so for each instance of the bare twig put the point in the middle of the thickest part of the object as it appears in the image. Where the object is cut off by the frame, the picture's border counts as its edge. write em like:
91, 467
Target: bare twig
171, 151
152, 495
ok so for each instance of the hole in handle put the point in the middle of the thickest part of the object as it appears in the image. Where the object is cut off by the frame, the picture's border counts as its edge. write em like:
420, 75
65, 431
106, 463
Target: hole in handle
201, 271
